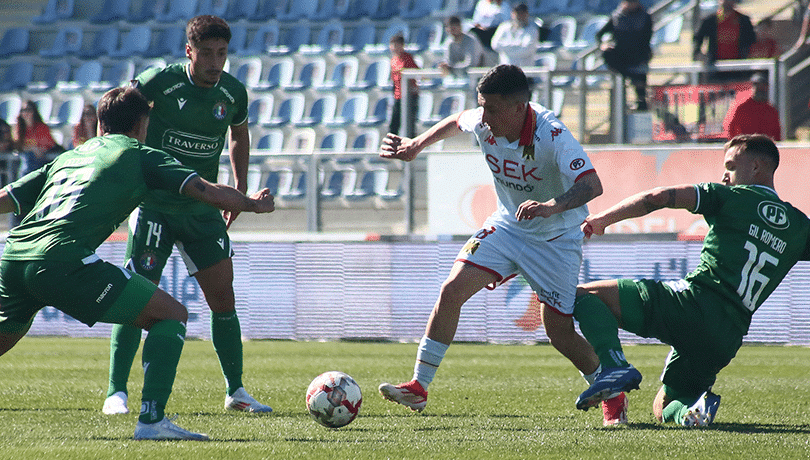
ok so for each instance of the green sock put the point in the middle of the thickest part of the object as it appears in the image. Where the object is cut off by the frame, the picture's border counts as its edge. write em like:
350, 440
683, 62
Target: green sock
124, 343
161, 353
675, 411
601, 330
226, 334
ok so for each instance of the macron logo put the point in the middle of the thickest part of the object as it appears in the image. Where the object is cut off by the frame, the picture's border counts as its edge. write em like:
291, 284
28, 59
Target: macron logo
181, 102
221, 242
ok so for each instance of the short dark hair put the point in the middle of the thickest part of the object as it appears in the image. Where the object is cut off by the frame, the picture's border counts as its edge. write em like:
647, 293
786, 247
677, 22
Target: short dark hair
759, 145
205, 26
521, 8
454, 21
505, 80
397, 38
119, 109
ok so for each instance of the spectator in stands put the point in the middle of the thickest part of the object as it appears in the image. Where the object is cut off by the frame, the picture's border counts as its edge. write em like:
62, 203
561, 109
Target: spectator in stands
755, 115
401, 59
729, 34
461, 51
86, 127
6, 150
766, 46
516, 40
487, 16
627, 50
6, 140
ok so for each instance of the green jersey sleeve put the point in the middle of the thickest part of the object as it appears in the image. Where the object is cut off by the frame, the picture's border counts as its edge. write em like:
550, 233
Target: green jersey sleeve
25, 190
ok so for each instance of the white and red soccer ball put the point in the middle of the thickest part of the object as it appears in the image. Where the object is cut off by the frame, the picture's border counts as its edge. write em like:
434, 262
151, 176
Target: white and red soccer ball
334, 399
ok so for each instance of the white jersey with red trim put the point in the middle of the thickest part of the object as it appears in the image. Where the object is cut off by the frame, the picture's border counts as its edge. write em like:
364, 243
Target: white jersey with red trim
541, 165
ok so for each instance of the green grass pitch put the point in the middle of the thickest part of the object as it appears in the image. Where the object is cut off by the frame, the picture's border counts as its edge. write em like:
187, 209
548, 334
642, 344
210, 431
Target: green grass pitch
488, 401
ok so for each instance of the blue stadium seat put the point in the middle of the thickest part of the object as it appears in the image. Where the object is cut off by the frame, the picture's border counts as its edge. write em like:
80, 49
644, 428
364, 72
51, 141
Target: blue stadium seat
260, 109
10, 105
366, 141
587, 34
386, 10
379, 114
297, 190
419, 9
295, 10
134, 42
362, 34
57, 71
217, 8
271, 141
289, 111
121, 72
68, 112
88, 72
266, 10
562, 33
18, 75
334, 141
395, 27
352, 112
55, 10
360, 9
44, 103
68, 40
330, 36
238, 43
112, 10
105, 42
375, 75
332, 9
280, 73
176, 10
451, 104
322, 110
365, 187
15, 41
241, 9
294, 37
265, 38
311, 74
248, 71
344, 73
170, 42
146, 12
427, 37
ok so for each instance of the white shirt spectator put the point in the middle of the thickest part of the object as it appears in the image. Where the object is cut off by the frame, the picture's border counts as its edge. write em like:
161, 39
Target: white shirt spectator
515, 43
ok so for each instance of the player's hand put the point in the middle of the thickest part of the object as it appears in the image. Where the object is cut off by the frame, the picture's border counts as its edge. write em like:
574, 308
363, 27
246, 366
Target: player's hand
399, 148
530, 209
230, 217
264, 201
593, 226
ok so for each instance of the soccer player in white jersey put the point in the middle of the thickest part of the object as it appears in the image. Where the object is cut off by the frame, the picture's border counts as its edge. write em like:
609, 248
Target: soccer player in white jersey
543, 180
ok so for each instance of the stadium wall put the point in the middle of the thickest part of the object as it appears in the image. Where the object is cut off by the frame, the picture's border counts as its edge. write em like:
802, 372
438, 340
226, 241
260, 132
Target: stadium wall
385, 291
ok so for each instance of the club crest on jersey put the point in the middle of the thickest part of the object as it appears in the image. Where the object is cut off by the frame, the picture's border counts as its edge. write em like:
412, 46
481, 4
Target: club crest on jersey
148, 261
220, 111
774, 214
528, 152
471, 246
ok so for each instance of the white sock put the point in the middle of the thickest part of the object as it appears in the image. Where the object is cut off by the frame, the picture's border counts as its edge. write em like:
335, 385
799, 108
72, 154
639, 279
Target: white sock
428, 358
591, 377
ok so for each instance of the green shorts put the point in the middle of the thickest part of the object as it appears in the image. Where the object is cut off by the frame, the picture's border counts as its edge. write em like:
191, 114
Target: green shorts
201, 239
690, 320
89, 292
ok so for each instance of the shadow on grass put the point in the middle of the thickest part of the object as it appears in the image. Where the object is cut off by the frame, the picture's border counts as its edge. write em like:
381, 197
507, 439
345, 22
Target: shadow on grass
748, 428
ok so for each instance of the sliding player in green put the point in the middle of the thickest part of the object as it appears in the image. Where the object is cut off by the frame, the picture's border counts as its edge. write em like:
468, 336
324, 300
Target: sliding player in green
71, 206
195, 104
753, 241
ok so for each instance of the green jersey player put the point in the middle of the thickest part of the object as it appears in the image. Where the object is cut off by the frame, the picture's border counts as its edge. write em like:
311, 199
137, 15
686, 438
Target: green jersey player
754, 239
71, 206
195, 105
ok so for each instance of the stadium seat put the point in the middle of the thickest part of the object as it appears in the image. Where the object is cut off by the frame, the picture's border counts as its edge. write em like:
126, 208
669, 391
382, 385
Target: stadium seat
134, 42
146, 12
311, 74
290, 110
44, 103
295, 10
344, 73
451, 104
395, 27
587, 35
562, 33
322, 110
332, 9
365, 187
55, 10
10, 105
260, 109
15, 41
427, 38
111, 11
301, 140
68, 112
104, 43
238, 43
217, 8
170, 42
362, 35
385, 10
419, 9
57, 71
293, 39
68, 40
576, 7
176, 10
249, 71
18, 75
266, 10
380, 113
352, 112
272, 141
360, 9
241, 9
334, 141
366, 141
143, 65
265, 38
119, 73
376, 74
281, 73
330, 36
88, 72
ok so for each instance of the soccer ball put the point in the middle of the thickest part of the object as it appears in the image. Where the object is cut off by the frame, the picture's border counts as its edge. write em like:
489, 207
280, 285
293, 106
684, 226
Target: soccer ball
334, 399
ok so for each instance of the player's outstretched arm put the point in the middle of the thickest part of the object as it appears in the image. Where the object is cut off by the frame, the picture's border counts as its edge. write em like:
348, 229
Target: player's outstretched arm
228, 198
583, 191
6, 202
641, 204
406, 149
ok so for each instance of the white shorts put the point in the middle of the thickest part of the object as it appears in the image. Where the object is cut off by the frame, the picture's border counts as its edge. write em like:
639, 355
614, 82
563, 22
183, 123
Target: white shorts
550, 267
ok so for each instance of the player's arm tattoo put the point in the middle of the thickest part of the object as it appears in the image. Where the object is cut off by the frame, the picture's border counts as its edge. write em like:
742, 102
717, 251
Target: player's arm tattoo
199, 185
579, 194
653, 202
